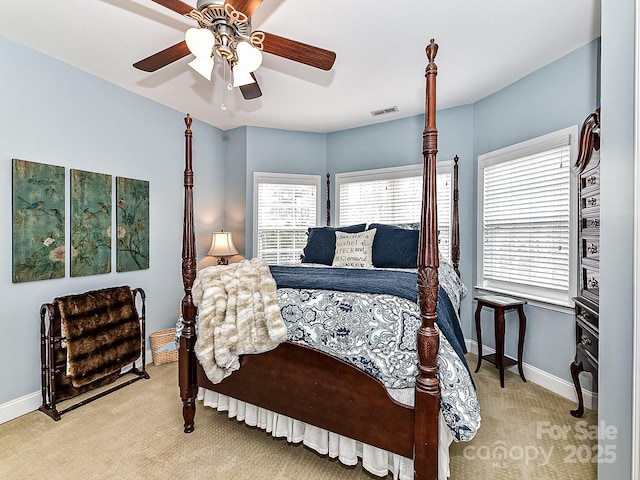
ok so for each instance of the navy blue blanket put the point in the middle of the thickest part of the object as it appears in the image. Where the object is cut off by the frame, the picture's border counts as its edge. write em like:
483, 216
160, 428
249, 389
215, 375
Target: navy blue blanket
392, 282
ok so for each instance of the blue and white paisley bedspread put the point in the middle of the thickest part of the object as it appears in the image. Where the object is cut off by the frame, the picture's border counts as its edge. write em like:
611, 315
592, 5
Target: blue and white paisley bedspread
376, 332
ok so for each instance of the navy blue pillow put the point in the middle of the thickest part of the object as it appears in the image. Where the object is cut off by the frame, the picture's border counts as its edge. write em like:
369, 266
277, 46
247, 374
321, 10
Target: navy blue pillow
321, 244
394, 247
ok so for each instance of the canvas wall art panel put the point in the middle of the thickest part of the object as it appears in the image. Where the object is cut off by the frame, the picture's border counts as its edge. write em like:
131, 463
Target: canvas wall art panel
132, 206
90, 223
38, 204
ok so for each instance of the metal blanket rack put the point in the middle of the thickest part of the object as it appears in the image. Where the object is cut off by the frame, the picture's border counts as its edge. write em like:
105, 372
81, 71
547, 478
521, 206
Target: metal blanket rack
53, 361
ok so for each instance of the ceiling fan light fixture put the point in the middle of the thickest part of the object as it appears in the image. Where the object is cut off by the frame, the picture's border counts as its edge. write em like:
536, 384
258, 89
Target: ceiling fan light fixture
249, 57
203, 65
241, 76
225, 31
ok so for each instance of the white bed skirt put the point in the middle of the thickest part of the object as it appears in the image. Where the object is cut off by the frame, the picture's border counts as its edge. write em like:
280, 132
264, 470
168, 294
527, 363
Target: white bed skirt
374, 460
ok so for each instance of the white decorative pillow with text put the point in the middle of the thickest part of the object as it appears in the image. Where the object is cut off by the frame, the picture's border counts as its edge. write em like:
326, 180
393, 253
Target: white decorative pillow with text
354, 249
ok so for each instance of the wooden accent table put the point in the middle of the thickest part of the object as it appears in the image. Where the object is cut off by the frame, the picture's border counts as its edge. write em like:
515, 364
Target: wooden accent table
500, 305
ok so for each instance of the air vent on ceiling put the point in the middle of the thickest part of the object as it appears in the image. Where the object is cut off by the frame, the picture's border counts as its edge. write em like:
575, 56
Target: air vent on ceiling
384, 111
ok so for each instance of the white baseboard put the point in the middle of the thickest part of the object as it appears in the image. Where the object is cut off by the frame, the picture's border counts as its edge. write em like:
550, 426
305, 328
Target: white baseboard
31, 402
546, 380
20, 406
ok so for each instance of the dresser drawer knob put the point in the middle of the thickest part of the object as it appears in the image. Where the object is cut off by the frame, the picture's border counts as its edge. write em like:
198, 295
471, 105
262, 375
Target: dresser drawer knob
585, 341
592, 180
592, 201
592, 248
592, 282
594, 222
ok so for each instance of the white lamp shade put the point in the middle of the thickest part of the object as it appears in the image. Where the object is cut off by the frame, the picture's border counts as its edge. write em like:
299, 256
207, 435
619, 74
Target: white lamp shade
200, 41
203, 65
241, 76
222, 245
249, 57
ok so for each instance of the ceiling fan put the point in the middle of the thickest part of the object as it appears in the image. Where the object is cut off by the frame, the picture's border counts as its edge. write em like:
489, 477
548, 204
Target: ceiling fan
225, 32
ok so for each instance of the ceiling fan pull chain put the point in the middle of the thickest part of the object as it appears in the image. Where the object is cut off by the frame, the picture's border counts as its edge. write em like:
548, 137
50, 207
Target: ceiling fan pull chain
227, 75
228, 86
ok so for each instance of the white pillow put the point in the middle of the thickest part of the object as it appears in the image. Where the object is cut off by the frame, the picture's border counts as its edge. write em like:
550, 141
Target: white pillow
354, 249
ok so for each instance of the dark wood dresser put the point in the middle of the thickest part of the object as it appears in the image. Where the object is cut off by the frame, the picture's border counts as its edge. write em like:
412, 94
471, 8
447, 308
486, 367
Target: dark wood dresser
587, 302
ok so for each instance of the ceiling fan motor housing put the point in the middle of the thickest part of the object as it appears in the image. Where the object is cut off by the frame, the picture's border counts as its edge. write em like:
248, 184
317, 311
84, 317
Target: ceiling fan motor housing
206, 3
213, 14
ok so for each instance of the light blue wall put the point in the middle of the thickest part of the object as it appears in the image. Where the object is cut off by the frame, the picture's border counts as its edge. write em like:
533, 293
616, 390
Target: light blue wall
554, 97
235, 176
388, 144
557, 96
280, 151
617, 165
53, 113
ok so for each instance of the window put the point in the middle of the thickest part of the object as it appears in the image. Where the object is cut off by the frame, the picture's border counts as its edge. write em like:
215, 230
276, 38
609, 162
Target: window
284, 207
525, 218
394, 196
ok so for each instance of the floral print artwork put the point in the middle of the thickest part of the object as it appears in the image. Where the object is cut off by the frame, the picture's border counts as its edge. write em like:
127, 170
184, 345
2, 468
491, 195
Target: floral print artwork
38, 221
132, 206
90, 223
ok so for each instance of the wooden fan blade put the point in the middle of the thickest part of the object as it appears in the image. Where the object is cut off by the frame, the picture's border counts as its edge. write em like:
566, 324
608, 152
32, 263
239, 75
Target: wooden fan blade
175, 5
298, 52
252, 90
248, 7
163, 58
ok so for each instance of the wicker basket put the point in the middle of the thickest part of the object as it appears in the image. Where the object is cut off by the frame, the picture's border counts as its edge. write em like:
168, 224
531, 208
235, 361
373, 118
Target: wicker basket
163, 346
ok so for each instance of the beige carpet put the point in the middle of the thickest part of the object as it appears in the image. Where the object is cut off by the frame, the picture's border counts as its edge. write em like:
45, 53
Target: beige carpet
527, 432
136, 433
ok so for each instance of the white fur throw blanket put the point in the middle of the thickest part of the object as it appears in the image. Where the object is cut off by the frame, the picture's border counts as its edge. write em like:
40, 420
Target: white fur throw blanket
238, 314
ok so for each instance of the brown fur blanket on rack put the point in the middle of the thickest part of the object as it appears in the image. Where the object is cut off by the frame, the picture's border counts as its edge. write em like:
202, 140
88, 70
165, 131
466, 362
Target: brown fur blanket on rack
102, 332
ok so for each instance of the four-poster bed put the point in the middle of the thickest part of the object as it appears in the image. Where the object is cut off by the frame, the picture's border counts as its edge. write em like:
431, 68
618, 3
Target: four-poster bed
322, 390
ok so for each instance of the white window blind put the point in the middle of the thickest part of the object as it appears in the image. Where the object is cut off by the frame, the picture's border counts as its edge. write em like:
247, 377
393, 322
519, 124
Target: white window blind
394, 196
526, 220
444, 192
381, 201
286, 205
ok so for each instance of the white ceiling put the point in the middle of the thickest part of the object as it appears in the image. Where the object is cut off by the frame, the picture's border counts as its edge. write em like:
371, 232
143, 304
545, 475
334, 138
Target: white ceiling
484, 46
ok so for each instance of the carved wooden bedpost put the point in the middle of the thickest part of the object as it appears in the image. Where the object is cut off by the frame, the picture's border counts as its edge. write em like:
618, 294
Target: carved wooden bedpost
427, 401
455, 230
328, 199
187, 361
